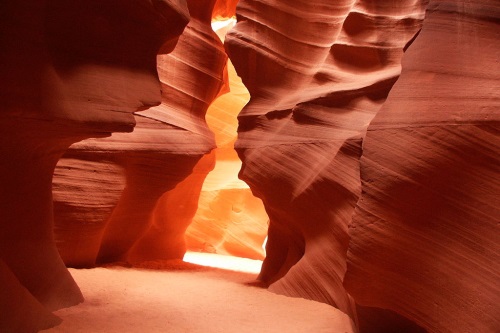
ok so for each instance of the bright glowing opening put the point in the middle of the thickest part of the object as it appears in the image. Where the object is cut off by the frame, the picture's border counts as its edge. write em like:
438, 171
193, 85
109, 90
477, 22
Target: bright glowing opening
225, 262
230, 226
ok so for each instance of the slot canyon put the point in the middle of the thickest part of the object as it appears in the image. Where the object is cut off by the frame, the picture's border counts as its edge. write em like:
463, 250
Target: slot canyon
247, 166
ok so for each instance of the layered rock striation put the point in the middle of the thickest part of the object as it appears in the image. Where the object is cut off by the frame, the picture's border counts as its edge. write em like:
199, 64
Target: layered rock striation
317, 72
143, 215
224, 9
424, 237
59, 85
377, 195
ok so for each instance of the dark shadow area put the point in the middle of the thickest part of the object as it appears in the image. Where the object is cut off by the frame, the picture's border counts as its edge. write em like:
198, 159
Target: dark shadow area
376, 320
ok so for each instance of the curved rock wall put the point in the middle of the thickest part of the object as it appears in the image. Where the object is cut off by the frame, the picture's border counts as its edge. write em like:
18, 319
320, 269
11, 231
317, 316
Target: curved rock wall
424, 238
224, 8
421, 239
165, 146
59, 85
317, 72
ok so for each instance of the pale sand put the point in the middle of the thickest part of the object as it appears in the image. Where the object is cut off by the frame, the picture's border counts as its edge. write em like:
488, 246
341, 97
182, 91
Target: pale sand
181, 298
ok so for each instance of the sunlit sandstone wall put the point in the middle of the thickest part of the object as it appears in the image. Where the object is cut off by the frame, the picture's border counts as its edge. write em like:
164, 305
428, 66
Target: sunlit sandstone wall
229, 219
224, 9
110, 193
317, 72
424, 238
58, 85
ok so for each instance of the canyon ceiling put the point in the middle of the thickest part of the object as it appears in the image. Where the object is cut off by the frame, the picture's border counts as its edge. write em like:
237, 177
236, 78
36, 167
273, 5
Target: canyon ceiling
368, 128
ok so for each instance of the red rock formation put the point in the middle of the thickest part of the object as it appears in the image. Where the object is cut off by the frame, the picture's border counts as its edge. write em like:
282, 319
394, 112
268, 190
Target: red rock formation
163, 149
425, 239
173, 213
21, 312
59, 85
86, 192
317, 72
224, 8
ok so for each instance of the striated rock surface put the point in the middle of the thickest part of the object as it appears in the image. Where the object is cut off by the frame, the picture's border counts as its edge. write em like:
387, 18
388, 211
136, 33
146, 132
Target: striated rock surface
129, 223
425, 238
317, 72
59, 85
173, 213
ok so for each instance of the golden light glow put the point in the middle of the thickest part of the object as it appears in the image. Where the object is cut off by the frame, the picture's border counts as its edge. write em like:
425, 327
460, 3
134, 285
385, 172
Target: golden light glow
224, 262
229, 221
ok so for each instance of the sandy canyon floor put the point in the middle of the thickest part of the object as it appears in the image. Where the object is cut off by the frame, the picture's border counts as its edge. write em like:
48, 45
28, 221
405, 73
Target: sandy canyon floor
182, 297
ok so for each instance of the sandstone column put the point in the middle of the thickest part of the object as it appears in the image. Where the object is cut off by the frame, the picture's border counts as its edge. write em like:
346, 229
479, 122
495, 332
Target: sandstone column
317, 72
59, 85
424, 238
144, 213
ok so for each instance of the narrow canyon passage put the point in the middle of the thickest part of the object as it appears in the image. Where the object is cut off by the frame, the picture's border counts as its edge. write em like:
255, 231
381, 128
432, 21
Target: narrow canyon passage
229, 219
305, 166
215, 288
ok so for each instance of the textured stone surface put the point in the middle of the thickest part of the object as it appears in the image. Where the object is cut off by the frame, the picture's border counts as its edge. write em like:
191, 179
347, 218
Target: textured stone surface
424, 239
173, 213
224, 8
140, 167
317, 73
59, 85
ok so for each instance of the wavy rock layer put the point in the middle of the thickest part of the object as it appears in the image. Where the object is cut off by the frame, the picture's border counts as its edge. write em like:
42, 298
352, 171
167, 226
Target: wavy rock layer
424, 239
317, 72
137, 169
58, 85
173, 213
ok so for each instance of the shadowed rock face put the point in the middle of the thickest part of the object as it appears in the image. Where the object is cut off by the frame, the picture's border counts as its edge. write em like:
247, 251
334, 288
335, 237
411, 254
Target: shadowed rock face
85, 61
137, 220
317, 72
59, 85
424, 237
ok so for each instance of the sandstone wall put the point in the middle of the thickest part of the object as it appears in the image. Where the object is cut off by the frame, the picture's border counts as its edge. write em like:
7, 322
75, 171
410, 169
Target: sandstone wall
136, 220
382, 196
317, 72
60, 85
424, 238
